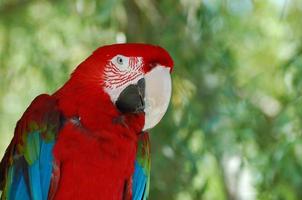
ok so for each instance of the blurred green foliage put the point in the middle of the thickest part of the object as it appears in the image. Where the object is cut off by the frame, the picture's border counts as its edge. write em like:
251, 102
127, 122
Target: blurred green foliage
233, 130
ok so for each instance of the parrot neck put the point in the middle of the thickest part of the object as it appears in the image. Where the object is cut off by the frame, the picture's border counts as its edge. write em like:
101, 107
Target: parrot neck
96, 111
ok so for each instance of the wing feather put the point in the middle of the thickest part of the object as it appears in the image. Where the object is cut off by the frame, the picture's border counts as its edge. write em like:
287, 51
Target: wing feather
141, 176
26, 168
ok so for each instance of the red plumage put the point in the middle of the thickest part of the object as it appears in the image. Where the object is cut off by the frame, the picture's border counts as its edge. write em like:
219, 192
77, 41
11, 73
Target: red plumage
98, 158
94, 156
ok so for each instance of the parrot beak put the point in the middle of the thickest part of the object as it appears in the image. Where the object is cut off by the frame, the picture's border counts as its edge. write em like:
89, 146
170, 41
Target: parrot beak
158, 93
150, 95
131, 99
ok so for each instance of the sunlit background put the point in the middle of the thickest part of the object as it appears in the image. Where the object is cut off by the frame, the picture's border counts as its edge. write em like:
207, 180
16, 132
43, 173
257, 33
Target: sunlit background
233, 130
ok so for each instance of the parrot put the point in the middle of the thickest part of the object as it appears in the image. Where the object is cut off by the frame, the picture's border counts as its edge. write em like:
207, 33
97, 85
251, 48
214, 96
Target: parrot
89, 139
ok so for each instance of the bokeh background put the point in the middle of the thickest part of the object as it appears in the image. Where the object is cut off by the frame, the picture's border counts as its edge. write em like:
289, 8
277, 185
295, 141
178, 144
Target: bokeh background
233, 129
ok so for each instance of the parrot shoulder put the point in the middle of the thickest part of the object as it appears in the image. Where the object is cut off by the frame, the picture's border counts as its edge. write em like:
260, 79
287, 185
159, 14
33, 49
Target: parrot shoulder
27, 166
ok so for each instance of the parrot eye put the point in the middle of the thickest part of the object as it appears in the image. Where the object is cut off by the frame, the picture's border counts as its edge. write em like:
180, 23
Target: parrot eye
119, 60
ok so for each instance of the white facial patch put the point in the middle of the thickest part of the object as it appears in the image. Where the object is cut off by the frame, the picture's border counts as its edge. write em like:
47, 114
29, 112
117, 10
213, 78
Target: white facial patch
120, 72
158, 95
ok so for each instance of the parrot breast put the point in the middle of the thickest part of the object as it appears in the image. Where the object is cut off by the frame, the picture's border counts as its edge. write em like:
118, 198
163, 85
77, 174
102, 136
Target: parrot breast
94, 164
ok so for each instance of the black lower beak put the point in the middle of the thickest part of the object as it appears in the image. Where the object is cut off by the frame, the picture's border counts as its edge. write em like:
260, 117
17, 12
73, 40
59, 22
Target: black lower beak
131, 99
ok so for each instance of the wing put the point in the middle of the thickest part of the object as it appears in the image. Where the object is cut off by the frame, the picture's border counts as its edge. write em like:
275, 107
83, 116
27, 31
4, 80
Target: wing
141, 176
26, 169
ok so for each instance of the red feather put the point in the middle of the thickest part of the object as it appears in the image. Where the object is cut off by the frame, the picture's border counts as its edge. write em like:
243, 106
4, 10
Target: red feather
95, 155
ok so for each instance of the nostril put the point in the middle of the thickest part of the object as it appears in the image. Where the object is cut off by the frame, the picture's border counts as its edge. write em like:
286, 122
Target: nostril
142, 101
141, 84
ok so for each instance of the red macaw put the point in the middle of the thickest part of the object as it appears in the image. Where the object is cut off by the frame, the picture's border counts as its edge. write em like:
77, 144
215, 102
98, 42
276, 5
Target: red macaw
88, 140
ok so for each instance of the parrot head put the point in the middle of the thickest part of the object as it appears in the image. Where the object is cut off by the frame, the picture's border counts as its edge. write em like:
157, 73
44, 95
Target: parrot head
136, 78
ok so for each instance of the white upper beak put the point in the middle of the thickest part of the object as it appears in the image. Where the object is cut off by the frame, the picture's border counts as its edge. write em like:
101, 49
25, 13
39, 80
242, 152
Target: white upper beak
157, 95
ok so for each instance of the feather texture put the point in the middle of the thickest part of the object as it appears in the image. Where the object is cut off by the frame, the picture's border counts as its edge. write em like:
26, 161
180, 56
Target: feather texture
93, 152
141, 176
26, 168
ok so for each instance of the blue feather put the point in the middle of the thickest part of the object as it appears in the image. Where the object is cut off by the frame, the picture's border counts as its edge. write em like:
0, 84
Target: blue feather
18, 189
139, 181
35, 180
39, 171
29, 159
46, 160
15, 182
21, 192
33, 146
